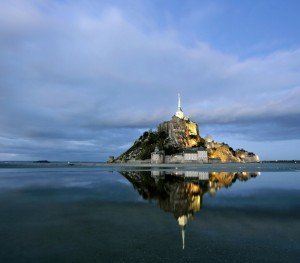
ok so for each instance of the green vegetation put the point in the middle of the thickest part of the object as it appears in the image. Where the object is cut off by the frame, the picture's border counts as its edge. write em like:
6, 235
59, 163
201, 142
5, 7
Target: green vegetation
201, 143
145, 145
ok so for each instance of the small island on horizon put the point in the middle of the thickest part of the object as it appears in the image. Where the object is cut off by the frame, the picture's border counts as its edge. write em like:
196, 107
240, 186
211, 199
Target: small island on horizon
179, 141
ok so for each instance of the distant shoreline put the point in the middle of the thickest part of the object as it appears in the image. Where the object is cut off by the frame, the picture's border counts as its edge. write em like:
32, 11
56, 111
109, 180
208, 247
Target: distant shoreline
226, 167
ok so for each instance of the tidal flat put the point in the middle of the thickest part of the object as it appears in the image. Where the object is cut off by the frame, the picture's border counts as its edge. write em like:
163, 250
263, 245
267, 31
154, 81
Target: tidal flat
229, 167
125, 214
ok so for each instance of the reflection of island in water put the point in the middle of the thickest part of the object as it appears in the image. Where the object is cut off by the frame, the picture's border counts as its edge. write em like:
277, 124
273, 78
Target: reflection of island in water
181, 192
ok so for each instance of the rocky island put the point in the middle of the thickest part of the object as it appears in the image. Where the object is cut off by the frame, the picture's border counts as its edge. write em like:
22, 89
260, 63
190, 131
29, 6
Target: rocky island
178, 141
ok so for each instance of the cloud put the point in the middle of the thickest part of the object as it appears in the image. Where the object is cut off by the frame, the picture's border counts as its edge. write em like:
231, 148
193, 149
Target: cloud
81, 83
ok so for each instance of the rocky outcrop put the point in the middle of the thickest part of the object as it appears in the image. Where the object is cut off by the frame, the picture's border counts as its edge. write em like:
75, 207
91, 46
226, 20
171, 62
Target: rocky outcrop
178, 134
183, 132
171, 136
225, 153
145, 145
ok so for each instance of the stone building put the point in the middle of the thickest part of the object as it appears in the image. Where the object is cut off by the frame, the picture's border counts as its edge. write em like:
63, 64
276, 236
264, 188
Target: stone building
192, 155
181, 129
174, 158
157, 156
198, 155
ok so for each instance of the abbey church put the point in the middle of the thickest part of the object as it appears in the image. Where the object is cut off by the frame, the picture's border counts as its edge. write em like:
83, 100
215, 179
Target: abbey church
181, 129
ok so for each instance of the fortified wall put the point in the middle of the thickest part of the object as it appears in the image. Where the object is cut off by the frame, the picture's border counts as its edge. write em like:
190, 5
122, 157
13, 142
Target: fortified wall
192, 155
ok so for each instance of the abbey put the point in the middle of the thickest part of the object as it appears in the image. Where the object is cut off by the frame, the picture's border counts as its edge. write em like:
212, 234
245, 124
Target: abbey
178, 141
181, 129
183, 133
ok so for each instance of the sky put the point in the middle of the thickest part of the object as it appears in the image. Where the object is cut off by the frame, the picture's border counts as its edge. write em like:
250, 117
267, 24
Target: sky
82, 80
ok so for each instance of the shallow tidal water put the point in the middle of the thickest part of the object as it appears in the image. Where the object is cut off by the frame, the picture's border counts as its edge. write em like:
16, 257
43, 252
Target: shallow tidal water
97, 215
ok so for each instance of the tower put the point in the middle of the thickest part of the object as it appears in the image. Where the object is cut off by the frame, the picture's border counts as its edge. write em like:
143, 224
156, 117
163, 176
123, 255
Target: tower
179, 112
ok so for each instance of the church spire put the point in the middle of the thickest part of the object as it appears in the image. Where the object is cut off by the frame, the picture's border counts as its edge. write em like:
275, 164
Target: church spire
179, 112
179, 102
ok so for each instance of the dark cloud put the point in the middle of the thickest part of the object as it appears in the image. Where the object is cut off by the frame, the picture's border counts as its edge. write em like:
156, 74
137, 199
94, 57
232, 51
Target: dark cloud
79, 84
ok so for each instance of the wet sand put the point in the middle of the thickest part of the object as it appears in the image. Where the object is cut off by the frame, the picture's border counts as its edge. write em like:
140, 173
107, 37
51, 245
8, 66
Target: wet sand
226, 167
95, 215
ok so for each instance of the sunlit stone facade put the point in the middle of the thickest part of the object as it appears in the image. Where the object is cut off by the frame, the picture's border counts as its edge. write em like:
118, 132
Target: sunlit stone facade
184, 133
181, 129
198, 155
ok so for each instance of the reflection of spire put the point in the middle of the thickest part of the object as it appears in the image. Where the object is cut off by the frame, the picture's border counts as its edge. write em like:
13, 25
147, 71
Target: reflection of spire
183, 236
182, 221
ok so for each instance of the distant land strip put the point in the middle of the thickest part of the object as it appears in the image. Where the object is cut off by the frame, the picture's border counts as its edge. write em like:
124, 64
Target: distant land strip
283, 165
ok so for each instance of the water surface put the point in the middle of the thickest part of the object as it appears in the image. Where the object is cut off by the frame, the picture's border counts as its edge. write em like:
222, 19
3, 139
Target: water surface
94, 215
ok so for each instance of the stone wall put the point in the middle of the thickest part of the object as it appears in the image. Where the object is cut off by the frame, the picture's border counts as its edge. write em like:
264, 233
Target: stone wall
197, 157
202, 156
190, 157
175, 158
157, 158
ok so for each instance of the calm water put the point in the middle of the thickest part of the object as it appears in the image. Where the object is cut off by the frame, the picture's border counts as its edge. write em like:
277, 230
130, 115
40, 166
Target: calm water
93, 215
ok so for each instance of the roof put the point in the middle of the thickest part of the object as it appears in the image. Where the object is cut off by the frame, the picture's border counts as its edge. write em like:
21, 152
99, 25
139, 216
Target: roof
158, 152
194, 150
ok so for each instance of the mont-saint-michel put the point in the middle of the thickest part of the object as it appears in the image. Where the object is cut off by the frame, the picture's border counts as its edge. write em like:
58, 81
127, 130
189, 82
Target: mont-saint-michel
211, 176
179, 141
